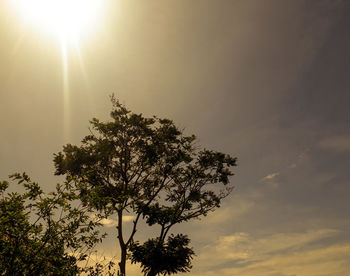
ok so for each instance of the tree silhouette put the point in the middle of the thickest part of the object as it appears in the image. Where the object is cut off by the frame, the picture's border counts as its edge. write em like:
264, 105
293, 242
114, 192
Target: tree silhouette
148, 167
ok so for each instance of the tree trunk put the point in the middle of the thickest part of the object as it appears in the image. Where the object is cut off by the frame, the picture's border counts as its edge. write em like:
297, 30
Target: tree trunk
122, 244
122, 262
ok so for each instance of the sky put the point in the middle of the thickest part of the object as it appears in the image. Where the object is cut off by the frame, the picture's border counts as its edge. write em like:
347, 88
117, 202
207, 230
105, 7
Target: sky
266, 81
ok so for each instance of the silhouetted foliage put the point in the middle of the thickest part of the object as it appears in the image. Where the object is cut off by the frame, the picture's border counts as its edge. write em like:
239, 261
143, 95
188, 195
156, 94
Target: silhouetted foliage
43, 234
146, 166
166, 258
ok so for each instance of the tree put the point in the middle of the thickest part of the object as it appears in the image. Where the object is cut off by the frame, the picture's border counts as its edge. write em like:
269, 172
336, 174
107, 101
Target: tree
43, 234
149, 167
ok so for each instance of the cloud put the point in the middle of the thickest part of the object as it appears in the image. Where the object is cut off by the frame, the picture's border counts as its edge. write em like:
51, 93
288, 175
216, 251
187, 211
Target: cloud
332, 260
283, 254
238, 208
301, 157
271, 176
303, 253
271, 180
336, 143
108, 222
128, 218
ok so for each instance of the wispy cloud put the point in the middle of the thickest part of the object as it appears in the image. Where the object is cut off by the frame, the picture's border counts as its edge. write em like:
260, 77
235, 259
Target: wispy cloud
301, 157
336, 143
271, 180
271, 176
238, 208
277, 254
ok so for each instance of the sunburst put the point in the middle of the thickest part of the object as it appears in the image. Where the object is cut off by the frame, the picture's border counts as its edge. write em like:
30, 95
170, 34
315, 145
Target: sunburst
67, 21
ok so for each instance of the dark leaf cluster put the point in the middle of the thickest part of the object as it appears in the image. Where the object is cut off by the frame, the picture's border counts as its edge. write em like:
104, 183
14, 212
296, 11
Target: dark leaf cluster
157, 257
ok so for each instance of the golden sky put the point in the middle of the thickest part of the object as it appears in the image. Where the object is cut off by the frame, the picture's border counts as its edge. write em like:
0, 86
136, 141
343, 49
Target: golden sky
264, 80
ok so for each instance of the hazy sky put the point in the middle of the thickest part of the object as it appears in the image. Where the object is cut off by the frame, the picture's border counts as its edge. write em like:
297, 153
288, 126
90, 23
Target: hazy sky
266, 81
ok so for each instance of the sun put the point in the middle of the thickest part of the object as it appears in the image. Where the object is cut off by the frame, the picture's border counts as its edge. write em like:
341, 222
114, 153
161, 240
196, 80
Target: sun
65, 19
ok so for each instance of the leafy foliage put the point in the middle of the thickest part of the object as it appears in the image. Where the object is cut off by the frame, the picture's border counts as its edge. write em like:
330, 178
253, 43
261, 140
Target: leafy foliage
166, 258
43, 234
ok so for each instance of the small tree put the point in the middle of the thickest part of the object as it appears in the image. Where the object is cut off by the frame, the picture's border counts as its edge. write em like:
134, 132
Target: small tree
43, 234
148, 167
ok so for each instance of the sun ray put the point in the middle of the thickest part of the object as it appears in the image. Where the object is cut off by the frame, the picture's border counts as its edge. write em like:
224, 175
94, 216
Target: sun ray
81, 61
66, 99
85, 74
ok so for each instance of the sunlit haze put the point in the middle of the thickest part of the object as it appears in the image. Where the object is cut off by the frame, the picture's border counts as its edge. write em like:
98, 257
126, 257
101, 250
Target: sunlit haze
66, 19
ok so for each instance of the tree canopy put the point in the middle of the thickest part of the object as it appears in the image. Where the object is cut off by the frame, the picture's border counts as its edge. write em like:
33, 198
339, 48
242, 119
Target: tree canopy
44, 234
148, 167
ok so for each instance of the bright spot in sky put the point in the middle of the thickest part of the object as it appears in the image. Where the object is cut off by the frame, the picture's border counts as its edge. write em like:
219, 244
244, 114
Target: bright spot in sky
67, 19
